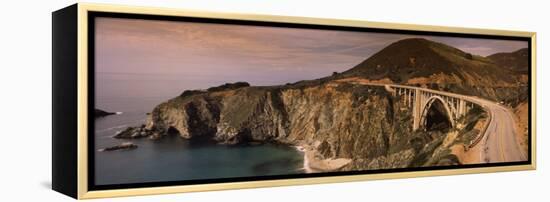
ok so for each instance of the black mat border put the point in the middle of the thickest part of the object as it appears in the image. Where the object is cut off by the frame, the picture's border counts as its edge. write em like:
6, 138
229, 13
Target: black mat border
91, 98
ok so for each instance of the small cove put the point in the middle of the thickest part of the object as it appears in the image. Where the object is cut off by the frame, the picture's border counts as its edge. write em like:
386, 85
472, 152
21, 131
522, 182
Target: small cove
176, 159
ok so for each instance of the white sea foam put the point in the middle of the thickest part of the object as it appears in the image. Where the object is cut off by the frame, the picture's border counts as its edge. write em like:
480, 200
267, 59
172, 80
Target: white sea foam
306, 168
300, 148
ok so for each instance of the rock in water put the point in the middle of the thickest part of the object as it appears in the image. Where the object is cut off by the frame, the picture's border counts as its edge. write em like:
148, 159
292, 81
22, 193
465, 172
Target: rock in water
123, 146
100, 113
133, 132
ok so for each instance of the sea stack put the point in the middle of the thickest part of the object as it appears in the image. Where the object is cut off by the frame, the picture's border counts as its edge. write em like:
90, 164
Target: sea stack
100, 113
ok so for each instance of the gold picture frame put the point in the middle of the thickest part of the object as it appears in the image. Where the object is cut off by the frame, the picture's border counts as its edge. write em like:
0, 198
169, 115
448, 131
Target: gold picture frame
75, 19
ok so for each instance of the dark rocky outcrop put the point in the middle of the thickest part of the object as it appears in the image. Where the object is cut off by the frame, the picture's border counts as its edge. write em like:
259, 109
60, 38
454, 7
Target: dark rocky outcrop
98, 113
137, 132
123, 146
229, 86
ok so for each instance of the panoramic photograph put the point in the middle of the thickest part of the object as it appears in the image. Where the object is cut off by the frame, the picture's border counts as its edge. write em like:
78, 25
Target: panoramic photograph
181, 101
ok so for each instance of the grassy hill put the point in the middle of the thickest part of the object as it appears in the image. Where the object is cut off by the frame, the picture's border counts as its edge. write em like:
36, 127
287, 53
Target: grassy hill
421, 62
420, 58
517, 61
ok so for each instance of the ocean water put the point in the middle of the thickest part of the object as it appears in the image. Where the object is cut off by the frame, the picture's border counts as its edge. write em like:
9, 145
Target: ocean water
172, 158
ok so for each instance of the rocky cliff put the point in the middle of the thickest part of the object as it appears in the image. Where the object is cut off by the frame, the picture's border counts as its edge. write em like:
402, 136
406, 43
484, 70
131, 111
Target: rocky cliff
356, 125
327, 113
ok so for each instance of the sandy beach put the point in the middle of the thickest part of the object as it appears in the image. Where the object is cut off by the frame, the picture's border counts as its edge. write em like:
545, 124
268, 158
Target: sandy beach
313, 163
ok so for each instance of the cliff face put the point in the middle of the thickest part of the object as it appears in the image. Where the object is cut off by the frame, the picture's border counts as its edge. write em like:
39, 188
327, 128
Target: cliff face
327, 114
340, 121
336, 120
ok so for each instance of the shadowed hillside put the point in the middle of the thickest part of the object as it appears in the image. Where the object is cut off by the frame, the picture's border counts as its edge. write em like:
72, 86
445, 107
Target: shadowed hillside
516, 61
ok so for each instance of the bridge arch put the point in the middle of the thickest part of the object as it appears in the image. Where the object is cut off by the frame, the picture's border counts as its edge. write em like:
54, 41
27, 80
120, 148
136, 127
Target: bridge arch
438, 108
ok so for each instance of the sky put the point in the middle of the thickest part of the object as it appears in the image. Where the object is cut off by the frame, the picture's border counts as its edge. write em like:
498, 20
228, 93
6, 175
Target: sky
211, 54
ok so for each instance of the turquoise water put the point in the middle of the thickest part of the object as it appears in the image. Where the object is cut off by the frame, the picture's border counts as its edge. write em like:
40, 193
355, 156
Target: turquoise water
174, 158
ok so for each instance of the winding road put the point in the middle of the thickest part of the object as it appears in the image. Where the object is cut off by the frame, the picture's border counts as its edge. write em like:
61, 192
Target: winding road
499, 143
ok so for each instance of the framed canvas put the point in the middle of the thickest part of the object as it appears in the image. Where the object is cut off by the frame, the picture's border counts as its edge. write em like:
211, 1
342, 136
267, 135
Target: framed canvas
154, 100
